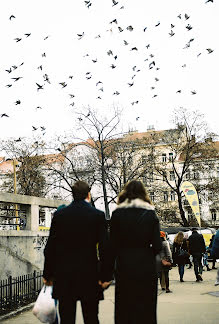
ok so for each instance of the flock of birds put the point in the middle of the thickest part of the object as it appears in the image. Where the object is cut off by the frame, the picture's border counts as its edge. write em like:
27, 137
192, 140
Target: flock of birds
114, 26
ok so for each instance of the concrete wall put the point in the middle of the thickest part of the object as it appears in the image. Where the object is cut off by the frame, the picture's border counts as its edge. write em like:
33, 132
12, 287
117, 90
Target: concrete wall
21, 252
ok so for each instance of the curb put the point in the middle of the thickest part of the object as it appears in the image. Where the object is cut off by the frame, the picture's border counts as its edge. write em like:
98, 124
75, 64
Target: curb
16, 312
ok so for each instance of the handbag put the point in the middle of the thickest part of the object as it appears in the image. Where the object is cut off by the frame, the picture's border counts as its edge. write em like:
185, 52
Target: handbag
183, 253
166, 263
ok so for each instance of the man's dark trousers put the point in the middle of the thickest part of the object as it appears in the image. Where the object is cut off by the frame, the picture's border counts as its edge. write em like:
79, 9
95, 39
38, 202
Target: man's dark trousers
67, 311
197, 260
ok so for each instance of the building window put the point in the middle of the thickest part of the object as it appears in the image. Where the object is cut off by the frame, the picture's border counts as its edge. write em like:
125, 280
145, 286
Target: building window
152, 195
172, 196
165, 196
164, 157
213, 215
172, 175
218, 172
170, 156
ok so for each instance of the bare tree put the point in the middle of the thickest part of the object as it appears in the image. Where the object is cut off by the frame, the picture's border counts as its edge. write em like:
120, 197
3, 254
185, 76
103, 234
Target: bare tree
27, 159
181, 153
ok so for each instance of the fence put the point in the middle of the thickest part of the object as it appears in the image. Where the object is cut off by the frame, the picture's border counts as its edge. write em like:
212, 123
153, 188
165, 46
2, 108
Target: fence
19, 291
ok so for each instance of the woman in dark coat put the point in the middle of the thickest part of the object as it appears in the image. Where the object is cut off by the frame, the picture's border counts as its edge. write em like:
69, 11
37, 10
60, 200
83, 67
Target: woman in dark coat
180, 244
135, 241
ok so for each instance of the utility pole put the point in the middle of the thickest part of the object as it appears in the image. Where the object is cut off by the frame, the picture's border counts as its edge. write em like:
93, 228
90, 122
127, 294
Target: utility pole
15, 191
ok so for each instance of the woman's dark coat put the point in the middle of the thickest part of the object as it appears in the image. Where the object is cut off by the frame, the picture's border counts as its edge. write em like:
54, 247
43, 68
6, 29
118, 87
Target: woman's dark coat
71, 252
176, 249
135, 240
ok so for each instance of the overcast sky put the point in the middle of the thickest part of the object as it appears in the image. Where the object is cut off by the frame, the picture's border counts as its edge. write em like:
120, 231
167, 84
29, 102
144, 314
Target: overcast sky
143, 69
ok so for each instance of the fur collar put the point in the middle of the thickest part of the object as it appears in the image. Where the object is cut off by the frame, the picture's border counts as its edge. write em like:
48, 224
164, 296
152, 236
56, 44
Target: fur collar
136, 203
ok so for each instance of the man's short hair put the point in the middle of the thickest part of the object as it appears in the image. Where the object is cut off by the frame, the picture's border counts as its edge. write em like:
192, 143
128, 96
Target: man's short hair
80, 190
194, 229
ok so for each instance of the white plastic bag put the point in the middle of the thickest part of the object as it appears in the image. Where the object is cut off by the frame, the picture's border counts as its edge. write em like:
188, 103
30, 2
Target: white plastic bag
44, 308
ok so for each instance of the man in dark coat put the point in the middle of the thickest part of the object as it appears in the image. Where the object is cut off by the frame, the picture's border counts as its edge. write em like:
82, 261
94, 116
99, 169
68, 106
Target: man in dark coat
72, 263
196, 248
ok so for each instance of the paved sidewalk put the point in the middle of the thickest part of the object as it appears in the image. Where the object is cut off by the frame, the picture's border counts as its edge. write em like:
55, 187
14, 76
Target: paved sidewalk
190, 303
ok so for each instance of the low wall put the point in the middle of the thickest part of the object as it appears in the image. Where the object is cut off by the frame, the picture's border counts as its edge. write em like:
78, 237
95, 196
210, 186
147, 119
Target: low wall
21, 252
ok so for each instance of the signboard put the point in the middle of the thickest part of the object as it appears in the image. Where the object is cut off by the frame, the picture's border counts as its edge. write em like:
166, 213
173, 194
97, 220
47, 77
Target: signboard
192, 197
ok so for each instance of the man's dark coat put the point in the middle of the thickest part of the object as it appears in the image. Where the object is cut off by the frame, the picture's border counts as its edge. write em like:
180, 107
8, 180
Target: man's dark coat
71, 252
196, 243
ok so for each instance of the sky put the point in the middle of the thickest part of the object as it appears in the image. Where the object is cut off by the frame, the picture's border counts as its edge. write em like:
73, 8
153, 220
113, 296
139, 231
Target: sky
145, 57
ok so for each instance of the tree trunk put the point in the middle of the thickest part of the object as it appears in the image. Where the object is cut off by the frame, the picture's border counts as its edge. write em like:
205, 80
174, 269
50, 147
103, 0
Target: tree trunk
182, 213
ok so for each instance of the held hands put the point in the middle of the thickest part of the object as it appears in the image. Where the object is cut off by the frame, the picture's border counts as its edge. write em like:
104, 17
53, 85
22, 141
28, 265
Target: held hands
105, 284
47, 282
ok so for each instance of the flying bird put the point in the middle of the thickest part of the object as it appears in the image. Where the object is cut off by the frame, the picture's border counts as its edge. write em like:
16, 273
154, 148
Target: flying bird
17, 78
178, 91
193, 92
94, 61
157, 24
44, 54
209, 50
27, 34
34, 128
130, 84
186, 16
189, 27
17, 39
171, 33
113, 66
39, 87
116, 93
145, 29
71, 95
4, 115
133, 49
12, 16
80, 35
114, 21
9, 85
125, 42
18, 140
63, 84
14, 67
120, 29
114, 3
130, 28
147, 46
9, 71
110, 52
99, 82
17, 102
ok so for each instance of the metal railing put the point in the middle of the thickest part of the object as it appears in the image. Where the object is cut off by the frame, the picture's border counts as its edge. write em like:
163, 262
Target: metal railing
19, 291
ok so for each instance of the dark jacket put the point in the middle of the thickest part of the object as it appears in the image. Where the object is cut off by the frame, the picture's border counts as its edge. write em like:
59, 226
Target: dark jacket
215, 246
135, 238
196, 243
176, 249
71, 251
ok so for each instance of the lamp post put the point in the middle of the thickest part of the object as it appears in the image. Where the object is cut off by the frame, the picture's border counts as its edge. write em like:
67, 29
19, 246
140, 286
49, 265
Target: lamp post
15, 191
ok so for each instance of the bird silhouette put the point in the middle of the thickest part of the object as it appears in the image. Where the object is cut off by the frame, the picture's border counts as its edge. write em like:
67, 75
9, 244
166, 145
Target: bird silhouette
147, 46
113, 66
116, 93
17, 102
39, 87
18, 39
46, 78
18, 140
34, 128
16, 78
125, 42
114, 21
188, 27
130, 84
186, 16
114, 3
38, 107
40, 67
4, 115
44, 54
209, 50
9, 85
9, 70
27, 34
72, 104
80, 35
193, 92
43, 128
14, 67
63, 84
179, 16
120, 29
12, 16
157, 24
110, 52
130, 28
71, 95
171, 33
209, 1
145, 29
133, 49
99, 82
178, 91
94, 60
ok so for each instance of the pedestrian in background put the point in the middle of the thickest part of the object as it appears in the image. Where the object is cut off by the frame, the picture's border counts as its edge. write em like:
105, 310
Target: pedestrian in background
215, 253
196, 249
210, 248
135, 241
179, 257
166, 255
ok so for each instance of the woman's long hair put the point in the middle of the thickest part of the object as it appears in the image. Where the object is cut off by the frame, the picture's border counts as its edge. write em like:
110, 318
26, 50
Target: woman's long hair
133, 190
179, 238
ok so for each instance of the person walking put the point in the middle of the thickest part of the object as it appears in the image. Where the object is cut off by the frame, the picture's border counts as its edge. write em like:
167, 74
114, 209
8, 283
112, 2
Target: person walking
215, 253
135, 241
71, 260
166, 255
180, 253
210, 248
196, 249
